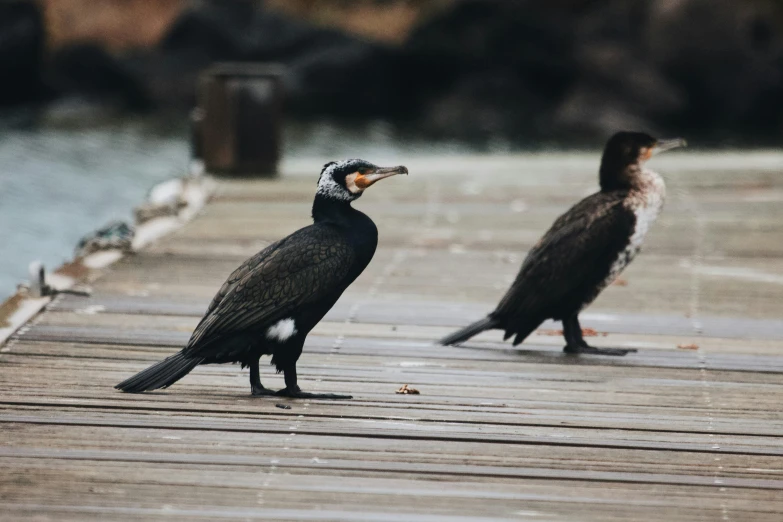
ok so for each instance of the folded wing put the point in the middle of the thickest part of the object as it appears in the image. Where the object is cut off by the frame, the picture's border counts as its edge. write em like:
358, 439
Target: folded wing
303, 268
566, 268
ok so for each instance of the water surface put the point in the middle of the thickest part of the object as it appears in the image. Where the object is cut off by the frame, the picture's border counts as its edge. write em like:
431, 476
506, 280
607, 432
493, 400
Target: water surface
59, 181
62, 180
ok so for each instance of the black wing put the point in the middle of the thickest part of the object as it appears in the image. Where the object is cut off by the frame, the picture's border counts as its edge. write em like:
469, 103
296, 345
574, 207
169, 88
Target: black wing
306, 266
240, 273
565, 269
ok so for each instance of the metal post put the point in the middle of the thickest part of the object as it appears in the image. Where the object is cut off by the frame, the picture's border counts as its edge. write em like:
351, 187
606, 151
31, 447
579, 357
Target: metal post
239, 128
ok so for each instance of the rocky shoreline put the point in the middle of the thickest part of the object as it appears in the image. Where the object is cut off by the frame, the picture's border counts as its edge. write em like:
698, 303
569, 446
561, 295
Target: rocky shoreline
524, 71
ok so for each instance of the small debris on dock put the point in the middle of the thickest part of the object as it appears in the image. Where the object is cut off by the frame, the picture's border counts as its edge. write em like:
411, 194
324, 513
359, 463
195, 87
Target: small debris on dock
149, 211
39, 287
115, 235
90, 310
283, 406
620, 282
688, 346
589, 332
405, 390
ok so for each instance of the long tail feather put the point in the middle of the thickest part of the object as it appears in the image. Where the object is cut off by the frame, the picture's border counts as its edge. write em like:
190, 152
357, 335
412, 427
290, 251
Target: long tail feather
160, 375
469, 331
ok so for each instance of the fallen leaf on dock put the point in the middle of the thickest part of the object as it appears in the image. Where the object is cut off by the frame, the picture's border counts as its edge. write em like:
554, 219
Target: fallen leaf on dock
589, 332
620, 282
688, 346
405, 390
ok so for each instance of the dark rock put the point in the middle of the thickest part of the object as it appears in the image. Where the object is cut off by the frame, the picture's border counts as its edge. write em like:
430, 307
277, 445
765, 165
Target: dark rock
700, 67
522, 70
485, 104
328, 72
351, 79
531, 39
215, 31
588, 111
88, 71
198, 38
727, 57
511, 61
616, 90
21, 53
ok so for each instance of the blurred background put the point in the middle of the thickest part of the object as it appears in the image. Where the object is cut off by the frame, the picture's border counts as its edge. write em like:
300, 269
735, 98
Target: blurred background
95, 94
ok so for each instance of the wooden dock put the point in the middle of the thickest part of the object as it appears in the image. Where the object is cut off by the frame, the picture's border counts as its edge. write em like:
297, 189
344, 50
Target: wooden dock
688, 428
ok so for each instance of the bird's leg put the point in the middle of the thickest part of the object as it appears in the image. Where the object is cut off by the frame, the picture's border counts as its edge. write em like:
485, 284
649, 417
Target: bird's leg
256, 388
292, 388
575, 343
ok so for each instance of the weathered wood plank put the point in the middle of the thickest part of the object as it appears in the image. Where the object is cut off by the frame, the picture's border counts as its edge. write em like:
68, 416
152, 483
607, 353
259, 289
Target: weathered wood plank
36, 436
434, 314
431, 469
497, 433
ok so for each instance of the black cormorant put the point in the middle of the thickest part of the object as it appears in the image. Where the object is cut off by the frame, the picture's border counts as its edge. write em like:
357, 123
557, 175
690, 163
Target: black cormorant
585, 249
272, 301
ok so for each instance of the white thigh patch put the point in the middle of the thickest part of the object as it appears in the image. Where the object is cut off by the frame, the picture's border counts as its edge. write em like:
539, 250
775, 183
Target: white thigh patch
281, 330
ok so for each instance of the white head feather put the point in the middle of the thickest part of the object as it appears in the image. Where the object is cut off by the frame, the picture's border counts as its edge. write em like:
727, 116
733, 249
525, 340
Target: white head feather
328, 187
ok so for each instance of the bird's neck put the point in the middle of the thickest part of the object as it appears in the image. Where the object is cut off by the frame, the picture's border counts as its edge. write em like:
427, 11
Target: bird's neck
632, 177
357, 228
331, 210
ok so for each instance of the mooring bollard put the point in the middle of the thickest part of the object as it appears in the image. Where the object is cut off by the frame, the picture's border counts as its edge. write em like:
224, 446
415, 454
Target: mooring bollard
237, 127
38, 286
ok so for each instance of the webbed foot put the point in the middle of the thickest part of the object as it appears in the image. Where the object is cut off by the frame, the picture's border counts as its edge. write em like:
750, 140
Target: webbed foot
260, 391
576, 349
296, 393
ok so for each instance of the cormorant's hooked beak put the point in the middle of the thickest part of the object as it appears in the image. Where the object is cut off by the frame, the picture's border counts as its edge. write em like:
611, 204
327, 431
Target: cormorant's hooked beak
664, 145
362, 181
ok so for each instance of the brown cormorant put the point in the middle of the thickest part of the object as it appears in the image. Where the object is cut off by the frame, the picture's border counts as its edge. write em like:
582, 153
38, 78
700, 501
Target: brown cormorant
272, 301
585, 249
